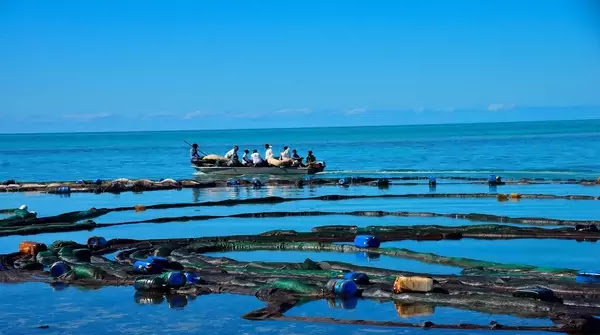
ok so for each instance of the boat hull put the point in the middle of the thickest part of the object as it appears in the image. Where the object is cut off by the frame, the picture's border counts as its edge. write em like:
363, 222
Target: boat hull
271, 170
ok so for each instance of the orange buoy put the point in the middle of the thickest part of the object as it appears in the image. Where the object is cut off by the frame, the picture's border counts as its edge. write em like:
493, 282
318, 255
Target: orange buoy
31, 248
515, 196
140, 208
502, 197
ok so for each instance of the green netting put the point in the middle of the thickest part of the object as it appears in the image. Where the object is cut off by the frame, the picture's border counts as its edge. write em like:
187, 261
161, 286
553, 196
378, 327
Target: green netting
296, 286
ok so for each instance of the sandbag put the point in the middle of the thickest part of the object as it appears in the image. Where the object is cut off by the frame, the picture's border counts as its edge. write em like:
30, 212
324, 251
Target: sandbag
213, 157
274, 162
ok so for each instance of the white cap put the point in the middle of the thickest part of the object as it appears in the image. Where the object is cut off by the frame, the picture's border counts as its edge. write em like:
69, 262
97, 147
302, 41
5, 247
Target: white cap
23, 207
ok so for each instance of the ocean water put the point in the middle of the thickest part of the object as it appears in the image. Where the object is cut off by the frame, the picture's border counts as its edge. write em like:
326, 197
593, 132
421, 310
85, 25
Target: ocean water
565, 149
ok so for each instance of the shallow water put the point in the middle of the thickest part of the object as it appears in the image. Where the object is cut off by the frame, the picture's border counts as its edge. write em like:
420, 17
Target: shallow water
115, 310
363, 309
545, 253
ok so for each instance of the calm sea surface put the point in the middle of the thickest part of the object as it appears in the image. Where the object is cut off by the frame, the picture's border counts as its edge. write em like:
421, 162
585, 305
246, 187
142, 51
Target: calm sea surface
567, 149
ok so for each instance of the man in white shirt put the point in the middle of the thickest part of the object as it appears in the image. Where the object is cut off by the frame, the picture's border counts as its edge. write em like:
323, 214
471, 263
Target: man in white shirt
268, 152
285, 154
256, 159
232, 152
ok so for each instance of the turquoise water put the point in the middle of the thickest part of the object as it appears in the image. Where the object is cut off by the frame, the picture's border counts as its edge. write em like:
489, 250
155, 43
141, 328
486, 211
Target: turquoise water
538, 150
566, 149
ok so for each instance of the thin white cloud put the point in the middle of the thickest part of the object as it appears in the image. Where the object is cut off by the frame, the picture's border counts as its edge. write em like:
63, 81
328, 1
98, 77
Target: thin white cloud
356, 111
87, 116
196, 114
497, 107
294, 111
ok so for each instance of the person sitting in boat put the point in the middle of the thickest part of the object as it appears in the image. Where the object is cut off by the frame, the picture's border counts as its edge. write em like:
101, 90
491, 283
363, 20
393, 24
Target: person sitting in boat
296, 159
246, 158
256, 159
310, 158
194, 152
285, 154
268, 152
232, 157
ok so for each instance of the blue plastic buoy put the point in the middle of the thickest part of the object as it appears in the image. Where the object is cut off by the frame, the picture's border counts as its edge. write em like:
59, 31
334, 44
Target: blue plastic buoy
233, 182
63, 189
58, 269
342, 287
146, 267
357, 277
96, 242
366, 241
192, 278
162, 261
256, 183
175, 279
588, 277
98, 181
80, 182
432, 180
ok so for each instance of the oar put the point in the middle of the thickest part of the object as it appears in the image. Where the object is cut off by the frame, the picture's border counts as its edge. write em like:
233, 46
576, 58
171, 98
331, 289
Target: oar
202, 152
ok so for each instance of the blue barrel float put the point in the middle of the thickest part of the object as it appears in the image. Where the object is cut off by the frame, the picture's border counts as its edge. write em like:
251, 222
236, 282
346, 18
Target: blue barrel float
233, 182
96, 242
366, 241
147, 267
432, 181
588, 276
342, 287
174, 279
192, 278
58, 269
63, 189
357, 277
158, 260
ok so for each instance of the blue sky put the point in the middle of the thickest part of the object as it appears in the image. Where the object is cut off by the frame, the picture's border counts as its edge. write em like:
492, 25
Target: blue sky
157, 65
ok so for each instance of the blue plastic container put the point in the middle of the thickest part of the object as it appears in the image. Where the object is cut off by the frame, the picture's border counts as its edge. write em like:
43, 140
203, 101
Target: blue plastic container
592, 277
191, 278
357, 277
80, 182
345, 181
58, 269
174, 279
98, 181
96, 242
146, 267
233, 182
158, 260
342, 287
63, 189
366, 241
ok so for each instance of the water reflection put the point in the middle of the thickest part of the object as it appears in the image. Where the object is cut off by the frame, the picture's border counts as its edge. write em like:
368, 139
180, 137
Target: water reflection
347, 303
407, 310
174, 300
368, 256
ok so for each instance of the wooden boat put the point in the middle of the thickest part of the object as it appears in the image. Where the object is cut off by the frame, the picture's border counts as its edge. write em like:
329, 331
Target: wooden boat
218, 168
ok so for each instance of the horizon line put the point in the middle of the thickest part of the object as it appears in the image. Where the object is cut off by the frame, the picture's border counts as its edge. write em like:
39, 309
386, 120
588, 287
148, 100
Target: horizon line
299, 127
